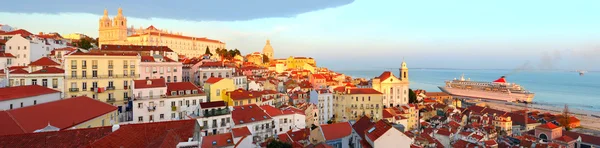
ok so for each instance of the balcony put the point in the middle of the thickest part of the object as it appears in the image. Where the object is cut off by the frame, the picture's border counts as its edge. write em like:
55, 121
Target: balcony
132, 66
151, 108
111, 100
94, 89
105, 76
173, 108
110, 66
83, 66
73, 89
94, 66
223, 124
110, 88
216, 113
124, 66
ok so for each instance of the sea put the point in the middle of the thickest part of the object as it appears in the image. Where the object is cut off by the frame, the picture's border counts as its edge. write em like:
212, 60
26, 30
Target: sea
555, 88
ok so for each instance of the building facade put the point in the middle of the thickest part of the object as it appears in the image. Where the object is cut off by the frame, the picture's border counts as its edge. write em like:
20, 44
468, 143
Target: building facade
352, 103
154, 67
115, 31
103, 76
323, 98
394, 89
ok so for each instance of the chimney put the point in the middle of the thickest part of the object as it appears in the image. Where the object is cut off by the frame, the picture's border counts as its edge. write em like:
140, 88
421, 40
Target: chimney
148, 82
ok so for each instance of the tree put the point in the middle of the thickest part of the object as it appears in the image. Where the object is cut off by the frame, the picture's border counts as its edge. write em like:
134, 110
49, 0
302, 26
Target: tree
278, 144
85, 43
412, 97
207, 51
265, 58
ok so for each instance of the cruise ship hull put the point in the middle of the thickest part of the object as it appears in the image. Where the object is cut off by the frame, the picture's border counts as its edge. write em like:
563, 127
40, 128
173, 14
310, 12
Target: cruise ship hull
509, 97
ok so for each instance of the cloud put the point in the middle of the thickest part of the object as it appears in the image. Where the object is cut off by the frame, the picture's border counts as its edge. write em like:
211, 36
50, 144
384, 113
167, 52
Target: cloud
196, 10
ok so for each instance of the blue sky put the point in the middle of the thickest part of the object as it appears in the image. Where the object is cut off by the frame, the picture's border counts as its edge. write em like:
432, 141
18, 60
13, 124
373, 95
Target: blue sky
360, 34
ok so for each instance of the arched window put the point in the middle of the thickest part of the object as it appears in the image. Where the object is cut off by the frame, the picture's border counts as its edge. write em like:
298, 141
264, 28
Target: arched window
543, 136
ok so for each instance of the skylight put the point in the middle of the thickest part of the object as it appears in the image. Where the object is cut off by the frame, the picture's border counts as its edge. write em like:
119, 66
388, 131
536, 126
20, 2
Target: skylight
371, 130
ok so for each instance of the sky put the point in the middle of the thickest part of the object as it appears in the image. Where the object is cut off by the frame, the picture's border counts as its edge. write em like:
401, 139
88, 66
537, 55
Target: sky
358, 34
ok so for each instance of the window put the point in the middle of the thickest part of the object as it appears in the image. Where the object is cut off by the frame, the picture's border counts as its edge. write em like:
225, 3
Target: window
21, 104
124, 72
162, 116
110, 84
94, 64
161, 103
174, 78
33, 81
73, 64
94, 73
110, 73
218, 92
83, 74
172, 115
54, 83
172, 103
94, 84
193, 102
83, 64
84, 86
73, 74
168, 79
110, 63
132, 72
140, 119
11, 106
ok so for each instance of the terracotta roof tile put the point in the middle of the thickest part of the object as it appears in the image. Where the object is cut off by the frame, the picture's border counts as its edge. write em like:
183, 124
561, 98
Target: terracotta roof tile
241, 131
361, 125
24, 33
44, 61
241, 94
65, 138
364, 91
17, 92
213, 80
385, 75
147, 59
156, 134
378, 129
49, 70
248, 114
182, 86
136, 48
62, 114
549, 125
153, 83
2, 54
336, 130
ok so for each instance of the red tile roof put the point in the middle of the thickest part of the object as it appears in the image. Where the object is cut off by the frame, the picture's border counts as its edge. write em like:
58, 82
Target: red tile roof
299, 135
63, 139
216, 141
378, 129
361, 126
44, 61
584, 137
248, 114
147, 59
49, 70
24, 33
105, 54
2, 54
136, 48
240, 131
70, 49
444, 131
548, 125
336, 130
62, 114
318, 76
154, 83
364, 91
179, 36
17, 92
156, 134
181, 86
241, 94
213, 80
385, 75
212, 104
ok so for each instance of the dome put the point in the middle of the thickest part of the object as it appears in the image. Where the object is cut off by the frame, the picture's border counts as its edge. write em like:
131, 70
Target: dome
268, 48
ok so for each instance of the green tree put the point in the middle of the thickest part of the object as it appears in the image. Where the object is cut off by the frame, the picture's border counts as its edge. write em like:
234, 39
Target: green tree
278, 144
207, 51
84, 43
237, 52
412, 97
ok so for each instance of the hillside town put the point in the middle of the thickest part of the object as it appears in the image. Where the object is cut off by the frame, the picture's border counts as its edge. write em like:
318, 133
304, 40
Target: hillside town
151, 87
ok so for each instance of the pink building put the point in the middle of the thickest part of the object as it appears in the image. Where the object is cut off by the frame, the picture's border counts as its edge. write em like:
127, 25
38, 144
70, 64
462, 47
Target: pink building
318, 81
157, 66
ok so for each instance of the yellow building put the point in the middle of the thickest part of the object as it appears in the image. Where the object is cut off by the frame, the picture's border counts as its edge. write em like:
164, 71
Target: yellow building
298, 62
241, 97
255, 58
394, 89
114, 31
309, 67
103, 76
217, 87
353, 103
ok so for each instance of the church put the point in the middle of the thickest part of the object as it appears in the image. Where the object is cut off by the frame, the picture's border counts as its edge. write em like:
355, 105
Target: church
394, 89
115, 32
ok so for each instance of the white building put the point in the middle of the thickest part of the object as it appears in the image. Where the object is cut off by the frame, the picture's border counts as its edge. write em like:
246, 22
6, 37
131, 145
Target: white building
383, 135
44, 72
214, 118
285, 119
394, 89
6, 60
27, 47
155, 100
255, 86
204, 70
260, 124
23, 96
323, 98
240, 81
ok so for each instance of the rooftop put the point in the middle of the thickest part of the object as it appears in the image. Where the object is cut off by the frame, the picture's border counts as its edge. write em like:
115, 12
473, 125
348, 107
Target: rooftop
336, 130
18, 92
44, 61
136, 48
62, 114
150, 83
248, 114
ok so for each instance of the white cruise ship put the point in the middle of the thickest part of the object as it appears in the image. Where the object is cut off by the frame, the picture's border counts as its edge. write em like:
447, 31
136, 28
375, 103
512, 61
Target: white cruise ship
496, 90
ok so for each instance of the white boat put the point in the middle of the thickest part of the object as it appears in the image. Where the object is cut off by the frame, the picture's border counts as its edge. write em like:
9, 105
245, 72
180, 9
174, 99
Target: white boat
496, 90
